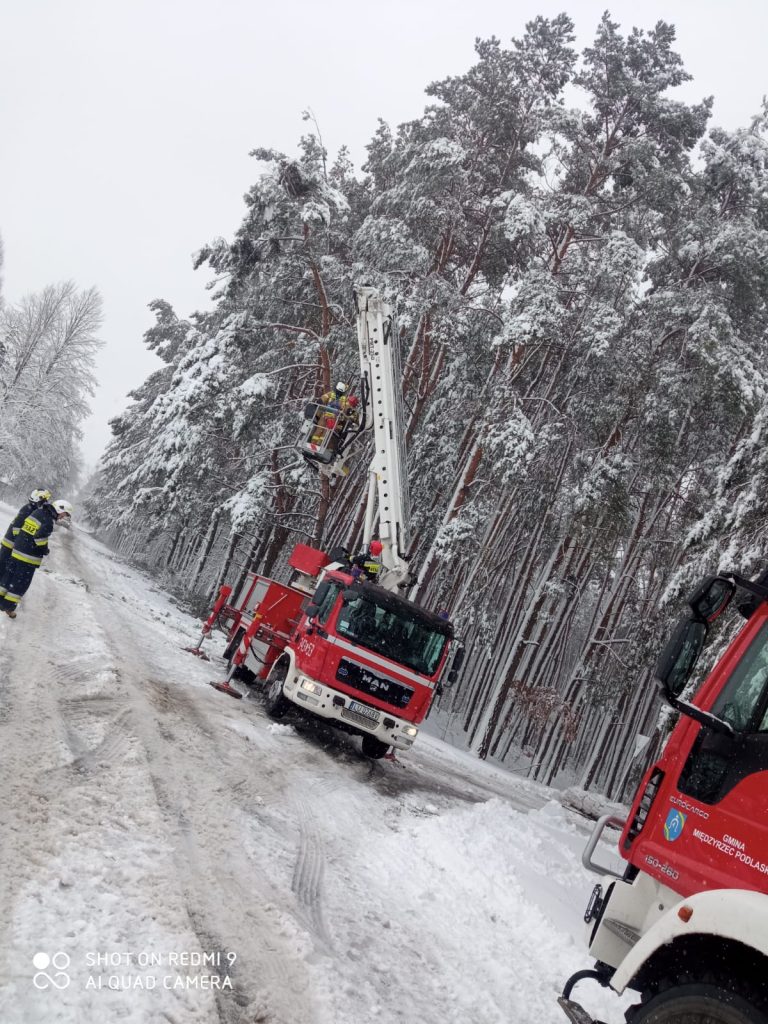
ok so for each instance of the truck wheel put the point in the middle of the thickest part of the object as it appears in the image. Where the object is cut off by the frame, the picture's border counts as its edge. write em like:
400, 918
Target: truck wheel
374, 748
275, 703
697, 1004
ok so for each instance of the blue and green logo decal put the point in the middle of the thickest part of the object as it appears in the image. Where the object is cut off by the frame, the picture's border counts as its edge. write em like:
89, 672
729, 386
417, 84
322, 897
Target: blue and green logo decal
673, 826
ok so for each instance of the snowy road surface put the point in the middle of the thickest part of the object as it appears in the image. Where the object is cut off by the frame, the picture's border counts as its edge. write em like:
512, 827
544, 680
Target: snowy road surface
148, 823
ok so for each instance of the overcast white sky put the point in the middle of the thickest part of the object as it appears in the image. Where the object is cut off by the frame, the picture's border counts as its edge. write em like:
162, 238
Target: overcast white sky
125, 125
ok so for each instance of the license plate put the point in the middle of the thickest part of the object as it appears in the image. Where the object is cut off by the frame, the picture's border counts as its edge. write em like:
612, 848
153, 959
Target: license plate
363, 709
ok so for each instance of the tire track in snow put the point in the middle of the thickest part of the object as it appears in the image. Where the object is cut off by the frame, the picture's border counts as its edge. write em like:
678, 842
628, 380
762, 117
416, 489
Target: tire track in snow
308, 872
36, 754
79, 729
212, 879
189, 773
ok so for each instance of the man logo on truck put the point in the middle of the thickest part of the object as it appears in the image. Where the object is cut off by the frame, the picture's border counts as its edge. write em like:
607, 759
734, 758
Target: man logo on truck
673, 826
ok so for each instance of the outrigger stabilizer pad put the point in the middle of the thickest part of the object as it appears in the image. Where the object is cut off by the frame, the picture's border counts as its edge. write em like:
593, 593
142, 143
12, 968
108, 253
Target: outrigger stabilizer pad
209, 623
226, 688
197, 651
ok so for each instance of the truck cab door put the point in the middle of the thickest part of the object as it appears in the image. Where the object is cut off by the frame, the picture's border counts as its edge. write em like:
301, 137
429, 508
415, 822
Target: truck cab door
718, 816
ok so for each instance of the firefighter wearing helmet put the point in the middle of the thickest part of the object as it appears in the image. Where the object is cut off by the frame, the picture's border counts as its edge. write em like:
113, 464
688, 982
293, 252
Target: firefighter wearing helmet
63, 512
334, 396
30, 546
370, 561
351, 409
342, 411
330, 413
36, 499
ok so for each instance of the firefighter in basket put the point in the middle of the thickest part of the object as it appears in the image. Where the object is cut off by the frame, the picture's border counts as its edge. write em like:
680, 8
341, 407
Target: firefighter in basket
368, 563
333, 416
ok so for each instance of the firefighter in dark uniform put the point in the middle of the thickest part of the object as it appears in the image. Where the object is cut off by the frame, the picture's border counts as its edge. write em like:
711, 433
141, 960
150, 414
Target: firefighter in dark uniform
29, 549
369, 562
36, 499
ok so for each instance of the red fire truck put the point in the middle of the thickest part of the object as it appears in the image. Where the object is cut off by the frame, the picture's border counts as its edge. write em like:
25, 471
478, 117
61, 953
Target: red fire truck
332, 641
685, 925
350, 651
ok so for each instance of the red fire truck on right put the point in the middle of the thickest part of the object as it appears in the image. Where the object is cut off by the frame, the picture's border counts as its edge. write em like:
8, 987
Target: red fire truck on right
685, 926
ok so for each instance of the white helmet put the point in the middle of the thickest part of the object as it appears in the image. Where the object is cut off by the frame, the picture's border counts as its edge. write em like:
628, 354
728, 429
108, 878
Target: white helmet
63, 507
341, 387
40, 495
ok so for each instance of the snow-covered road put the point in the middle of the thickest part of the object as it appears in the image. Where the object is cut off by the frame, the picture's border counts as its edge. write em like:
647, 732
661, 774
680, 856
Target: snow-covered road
148, 822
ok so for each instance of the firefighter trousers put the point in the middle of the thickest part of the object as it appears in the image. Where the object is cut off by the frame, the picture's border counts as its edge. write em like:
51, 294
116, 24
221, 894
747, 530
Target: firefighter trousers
14, 583
5, 559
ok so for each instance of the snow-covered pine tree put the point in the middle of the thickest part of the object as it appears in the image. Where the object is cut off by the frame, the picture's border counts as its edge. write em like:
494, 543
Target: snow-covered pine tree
570, 355
437, 236
723, 257
219, 436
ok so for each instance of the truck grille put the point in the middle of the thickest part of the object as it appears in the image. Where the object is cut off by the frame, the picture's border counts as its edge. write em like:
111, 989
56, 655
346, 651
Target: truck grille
382, 687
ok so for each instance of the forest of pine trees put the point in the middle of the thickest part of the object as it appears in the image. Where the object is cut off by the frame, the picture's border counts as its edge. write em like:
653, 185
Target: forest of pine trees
579, 263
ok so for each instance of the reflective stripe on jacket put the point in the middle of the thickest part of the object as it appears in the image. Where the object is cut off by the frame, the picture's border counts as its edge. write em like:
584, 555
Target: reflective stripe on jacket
13, 530
33, 535
28, 559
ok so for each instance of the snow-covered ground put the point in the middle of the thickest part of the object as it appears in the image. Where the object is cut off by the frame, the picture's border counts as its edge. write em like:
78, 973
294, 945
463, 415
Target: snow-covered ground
148, 822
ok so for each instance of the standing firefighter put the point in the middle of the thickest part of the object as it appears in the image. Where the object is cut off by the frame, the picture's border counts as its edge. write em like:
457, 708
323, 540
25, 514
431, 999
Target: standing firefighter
36, 499
30, 546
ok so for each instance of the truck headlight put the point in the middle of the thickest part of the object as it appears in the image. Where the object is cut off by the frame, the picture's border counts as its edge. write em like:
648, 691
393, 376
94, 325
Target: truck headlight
312, 687
410, 730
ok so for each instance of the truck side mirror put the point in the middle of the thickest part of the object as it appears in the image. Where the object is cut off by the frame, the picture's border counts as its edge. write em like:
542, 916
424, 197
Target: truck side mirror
680, 654
458, 661
711, 598
674, 668
318, 597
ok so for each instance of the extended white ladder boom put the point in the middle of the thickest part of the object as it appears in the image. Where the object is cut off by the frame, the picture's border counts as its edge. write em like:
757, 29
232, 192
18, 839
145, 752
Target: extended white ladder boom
382, 390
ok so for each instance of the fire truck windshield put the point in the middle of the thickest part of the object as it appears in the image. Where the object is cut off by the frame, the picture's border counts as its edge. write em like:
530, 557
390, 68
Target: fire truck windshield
391, 628
742, 701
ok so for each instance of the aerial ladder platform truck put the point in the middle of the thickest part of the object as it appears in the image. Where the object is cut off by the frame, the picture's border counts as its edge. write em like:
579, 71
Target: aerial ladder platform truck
684, 927
334, 642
